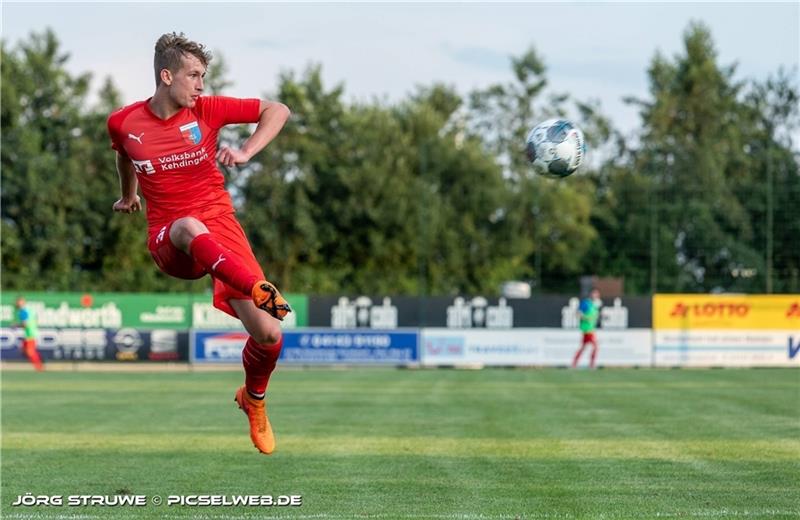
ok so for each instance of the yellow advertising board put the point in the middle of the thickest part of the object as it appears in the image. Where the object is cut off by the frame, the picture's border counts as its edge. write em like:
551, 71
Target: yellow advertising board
742, 312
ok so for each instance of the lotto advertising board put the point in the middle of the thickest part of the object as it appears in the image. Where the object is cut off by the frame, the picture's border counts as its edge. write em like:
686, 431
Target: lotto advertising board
726, 330
315, 346
99, 344
531, 347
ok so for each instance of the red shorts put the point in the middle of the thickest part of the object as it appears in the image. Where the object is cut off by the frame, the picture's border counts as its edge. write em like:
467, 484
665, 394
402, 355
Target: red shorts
588, 337
174, 262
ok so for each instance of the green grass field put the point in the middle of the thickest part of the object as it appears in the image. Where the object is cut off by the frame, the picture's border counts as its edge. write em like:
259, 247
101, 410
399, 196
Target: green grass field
437, 444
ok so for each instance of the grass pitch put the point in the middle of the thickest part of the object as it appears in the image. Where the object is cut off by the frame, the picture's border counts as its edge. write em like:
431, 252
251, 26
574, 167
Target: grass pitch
436, 444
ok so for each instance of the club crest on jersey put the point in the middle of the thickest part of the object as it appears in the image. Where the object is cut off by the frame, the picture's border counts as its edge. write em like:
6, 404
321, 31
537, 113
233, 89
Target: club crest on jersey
191, 133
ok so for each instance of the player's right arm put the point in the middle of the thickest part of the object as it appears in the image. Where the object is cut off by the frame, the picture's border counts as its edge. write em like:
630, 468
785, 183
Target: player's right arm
129, 202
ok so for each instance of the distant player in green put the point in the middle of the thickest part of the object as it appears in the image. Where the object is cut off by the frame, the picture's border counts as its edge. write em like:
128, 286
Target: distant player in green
27, 320
589, 311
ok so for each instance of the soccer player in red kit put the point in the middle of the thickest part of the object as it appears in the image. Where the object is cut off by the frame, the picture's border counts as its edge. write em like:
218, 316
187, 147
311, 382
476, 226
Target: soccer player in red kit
167, 145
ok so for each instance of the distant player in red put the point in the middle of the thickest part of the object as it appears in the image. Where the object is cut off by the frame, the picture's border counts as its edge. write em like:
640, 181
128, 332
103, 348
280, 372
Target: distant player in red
27, 320
168, 146
589, 314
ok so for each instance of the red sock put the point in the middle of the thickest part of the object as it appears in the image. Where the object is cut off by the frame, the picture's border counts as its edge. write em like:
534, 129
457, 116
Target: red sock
222, 263
259, 362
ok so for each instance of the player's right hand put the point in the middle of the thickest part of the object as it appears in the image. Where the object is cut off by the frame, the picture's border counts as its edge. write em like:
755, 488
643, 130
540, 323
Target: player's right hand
131, 205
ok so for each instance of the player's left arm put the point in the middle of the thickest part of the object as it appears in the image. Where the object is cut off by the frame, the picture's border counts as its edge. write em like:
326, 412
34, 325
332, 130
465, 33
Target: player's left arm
273, 116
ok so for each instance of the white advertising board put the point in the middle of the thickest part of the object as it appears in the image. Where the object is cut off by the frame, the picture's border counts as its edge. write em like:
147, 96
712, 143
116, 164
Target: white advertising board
532, 347
726, 348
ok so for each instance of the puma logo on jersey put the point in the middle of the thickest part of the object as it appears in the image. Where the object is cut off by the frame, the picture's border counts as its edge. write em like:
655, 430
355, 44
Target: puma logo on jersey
136, 138
219, 261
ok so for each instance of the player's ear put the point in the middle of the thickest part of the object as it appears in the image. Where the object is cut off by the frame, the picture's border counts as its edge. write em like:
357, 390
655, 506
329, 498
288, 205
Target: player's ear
166, 77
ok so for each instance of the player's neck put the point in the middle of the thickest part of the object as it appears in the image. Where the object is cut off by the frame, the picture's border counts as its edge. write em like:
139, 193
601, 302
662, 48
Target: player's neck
162, 105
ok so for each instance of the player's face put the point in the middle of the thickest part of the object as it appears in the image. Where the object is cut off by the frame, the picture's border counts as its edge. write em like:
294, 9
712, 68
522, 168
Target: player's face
187, 83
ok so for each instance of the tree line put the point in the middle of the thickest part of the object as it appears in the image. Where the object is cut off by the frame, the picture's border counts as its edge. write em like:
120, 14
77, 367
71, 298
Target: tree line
431, 194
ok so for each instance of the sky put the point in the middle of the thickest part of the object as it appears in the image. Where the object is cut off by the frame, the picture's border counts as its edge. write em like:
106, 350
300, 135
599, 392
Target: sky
593, 51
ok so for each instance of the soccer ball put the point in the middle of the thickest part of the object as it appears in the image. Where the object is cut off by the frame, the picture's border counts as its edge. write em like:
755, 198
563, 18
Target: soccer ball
555, 148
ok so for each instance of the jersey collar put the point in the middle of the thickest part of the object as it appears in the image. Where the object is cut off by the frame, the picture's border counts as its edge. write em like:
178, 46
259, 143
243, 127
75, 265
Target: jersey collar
162, 121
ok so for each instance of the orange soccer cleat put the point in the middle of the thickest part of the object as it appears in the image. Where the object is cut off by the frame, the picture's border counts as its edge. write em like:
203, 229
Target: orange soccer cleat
260, 429
267, 298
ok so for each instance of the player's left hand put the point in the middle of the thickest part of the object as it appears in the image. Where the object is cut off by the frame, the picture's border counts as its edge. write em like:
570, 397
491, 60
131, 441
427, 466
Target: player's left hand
231, 156
131, 205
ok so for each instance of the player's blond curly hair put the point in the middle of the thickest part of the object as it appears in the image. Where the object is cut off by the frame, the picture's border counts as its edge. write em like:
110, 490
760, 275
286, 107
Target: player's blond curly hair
171, 47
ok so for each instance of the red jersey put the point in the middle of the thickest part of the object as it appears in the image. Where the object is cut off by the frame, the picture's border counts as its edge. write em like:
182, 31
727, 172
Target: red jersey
175, 159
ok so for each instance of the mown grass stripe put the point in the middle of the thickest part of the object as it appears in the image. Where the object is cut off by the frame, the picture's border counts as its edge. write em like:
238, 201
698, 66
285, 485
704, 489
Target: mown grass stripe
569, 449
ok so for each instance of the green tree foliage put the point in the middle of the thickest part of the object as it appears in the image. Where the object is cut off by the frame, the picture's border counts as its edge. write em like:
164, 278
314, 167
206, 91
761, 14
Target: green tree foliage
370, 198
555, 239
278, 209
43, 154
431, 194
699, 162
772, 185
59, 181
469, 224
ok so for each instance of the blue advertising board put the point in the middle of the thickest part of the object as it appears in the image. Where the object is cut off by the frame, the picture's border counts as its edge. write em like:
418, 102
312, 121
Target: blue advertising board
351, 346
316, 346
217, 346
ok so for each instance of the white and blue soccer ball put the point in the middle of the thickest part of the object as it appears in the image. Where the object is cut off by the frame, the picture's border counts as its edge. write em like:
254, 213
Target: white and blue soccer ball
555, 148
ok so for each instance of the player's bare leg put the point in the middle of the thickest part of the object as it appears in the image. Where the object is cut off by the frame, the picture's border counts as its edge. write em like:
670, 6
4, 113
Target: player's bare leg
193, 238
259, 358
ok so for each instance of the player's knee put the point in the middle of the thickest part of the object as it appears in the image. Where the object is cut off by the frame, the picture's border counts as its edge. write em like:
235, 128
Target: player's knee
267, 334
184, 230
